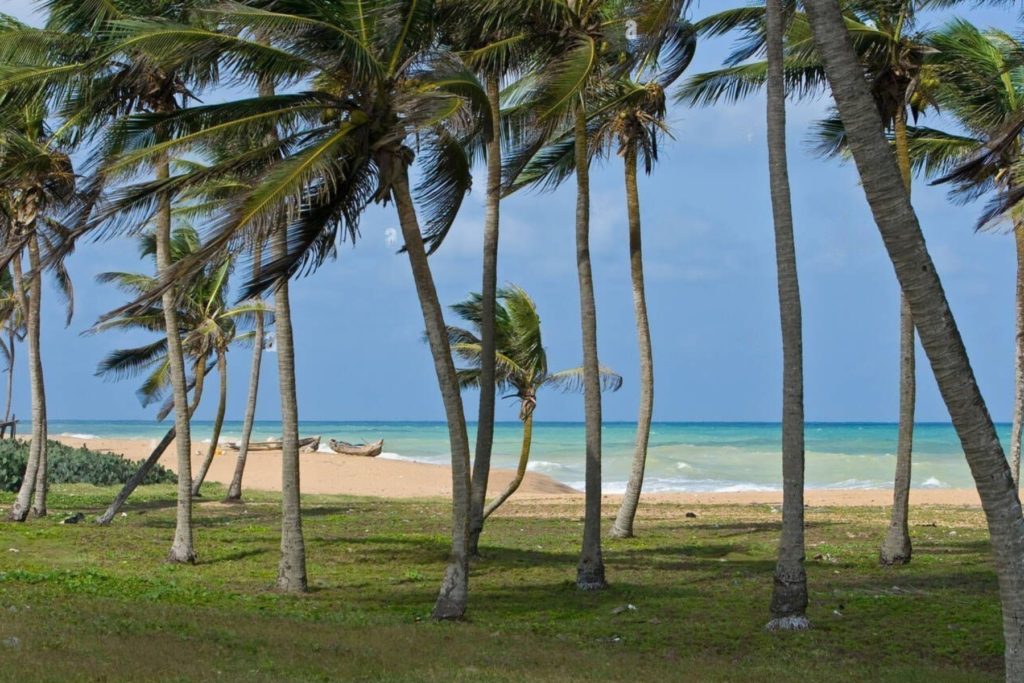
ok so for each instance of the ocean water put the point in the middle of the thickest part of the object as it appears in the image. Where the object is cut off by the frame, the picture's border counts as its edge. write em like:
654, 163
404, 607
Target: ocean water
697, 457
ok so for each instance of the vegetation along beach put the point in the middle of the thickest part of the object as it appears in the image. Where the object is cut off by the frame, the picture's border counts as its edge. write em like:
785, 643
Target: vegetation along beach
511, 340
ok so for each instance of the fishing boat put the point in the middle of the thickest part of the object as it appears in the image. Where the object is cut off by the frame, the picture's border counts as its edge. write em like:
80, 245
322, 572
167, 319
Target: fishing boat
306, 445
366, 450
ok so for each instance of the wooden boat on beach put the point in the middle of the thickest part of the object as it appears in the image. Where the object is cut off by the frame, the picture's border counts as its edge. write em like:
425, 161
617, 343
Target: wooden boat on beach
366, 450
306, 445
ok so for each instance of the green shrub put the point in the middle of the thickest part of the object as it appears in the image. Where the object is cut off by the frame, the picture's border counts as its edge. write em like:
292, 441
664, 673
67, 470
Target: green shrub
67, 465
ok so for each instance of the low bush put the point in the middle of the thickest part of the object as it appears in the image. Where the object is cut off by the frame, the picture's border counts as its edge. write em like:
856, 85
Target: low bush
67, 465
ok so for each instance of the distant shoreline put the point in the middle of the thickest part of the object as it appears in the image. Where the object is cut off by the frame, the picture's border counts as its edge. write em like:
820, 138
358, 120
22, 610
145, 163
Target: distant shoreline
324, 473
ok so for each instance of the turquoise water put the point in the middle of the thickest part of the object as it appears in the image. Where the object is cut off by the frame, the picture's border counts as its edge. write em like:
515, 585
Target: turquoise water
696, 457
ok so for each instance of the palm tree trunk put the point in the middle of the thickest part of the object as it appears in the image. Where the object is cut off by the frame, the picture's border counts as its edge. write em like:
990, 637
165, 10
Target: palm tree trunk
140, 474
789, 593
524, 459
590, 572
218, 423
291, 570
291, 574
182, 550
935, 324
896, 548
39, 426
488, 294
623, 527
20, 508
454, 594
1018, 358
235, 488
10, 374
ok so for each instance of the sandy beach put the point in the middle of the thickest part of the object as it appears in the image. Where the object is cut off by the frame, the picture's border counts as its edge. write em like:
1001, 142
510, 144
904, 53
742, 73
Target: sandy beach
329, 473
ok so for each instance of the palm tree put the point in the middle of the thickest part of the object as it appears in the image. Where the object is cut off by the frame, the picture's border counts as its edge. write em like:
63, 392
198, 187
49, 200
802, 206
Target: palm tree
259, 332
349, 143
106, 78
789, 593
636, 126
37, 186
208, 329
558, 96
886, 193
497, 43
981, 85
521, 363
895, 59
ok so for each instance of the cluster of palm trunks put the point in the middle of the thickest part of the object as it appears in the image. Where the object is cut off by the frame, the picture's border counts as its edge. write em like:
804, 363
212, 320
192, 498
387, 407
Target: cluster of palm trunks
350, 97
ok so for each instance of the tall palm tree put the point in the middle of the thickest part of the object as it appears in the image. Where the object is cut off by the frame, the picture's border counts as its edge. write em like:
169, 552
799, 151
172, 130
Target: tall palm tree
37, 186
522, 365
497, 44
980, 84
789, 593
349, 142
894, 57
558, 96
901, 233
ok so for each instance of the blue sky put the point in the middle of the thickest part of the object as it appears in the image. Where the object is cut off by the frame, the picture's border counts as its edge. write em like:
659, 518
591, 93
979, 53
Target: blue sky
711, 292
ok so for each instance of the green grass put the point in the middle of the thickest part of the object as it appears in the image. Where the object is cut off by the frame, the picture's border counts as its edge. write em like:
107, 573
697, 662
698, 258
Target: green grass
99, 604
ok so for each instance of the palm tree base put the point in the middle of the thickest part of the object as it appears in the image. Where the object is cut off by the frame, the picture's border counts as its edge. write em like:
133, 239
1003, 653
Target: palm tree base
287, 584
453, 596
591, 578
17, 515
896, 551
181, 555
792, 623
616, 532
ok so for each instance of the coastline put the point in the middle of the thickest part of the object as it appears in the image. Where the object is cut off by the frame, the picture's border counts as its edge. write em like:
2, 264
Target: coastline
329, 473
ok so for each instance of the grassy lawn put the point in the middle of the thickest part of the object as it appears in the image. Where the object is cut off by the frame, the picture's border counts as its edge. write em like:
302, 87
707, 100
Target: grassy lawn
99, 604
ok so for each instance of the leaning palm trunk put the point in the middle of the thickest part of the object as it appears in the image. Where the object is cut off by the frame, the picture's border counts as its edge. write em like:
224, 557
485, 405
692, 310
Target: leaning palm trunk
789, 594
454, 594
39, 426
936, 327
235, 488
291, 574
524, 459
29, 301
181, 549
590, 572
1018, 358
896, 548
488, 293
218, 423
623, 527
140, 474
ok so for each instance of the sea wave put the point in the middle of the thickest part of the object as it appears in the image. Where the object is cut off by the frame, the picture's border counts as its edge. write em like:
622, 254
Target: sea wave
933, 483
75, 435
680, 485
544, 466
428, 459
852, 484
